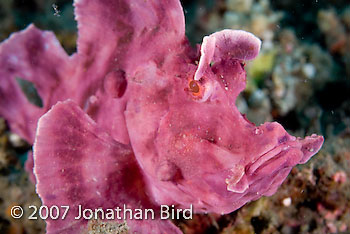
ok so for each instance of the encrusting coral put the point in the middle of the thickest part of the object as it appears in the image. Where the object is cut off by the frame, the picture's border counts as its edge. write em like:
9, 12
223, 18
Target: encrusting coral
138, 118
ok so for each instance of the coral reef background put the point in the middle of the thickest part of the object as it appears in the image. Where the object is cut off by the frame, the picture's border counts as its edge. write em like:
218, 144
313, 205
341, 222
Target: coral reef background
301, 79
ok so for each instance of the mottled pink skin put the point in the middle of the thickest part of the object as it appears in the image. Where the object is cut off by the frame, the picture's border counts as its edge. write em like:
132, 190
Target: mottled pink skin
149, 120
36, 56
78, 163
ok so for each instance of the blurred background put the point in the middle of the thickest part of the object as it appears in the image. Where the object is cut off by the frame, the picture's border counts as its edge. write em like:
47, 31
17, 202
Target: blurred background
300, 79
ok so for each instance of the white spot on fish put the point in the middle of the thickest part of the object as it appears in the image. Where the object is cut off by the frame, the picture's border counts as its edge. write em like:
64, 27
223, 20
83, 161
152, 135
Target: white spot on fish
258, 131
93, 99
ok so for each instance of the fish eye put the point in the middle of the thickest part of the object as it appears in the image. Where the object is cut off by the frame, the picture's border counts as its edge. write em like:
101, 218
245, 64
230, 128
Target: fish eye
200, 90
194, 87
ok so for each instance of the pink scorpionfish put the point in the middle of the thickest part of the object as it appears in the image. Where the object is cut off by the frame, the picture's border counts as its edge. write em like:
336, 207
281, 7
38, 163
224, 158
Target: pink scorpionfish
136, 117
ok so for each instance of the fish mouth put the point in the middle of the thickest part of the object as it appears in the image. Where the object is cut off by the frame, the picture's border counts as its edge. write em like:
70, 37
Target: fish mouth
277, 160
294, 152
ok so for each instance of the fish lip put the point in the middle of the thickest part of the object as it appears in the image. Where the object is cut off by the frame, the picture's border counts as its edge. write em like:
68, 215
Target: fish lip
264, 158
308, 146
245, 177
315, 141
